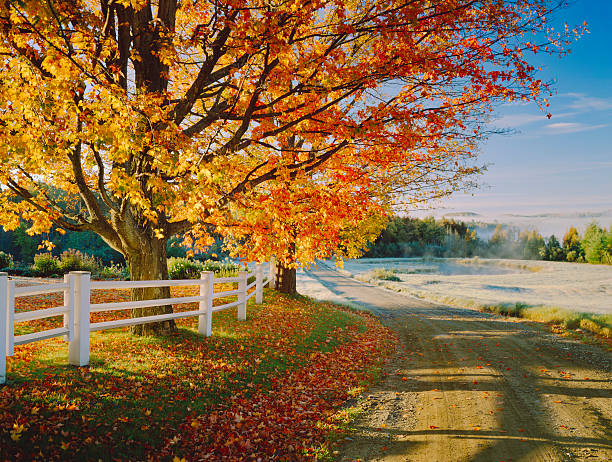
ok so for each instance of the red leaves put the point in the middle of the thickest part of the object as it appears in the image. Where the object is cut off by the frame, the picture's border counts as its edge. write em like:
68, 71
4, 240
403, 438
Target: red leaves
266, 388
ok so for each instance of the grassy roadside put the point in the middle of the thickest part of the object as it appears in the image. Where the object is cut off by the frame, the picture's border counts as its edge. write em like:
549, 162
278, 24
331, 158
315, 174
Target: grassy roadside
597, 324
271, 387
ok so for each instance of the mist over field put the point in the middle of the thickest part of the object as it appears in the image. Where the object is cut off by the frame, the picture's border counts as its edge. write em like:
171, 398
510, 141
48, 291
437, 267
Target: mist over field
547, 224
475, 281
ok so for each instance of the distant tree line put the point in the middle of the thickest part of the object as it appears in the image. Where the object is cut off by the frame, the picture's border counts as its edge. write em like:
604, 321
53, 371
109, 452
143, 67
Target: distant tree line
414, 237
26, 255
24, 247
402, 237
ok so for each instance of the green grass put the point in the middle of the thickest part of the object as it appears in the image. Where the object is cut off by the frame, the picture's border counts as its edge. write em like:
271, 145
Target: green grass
138, 391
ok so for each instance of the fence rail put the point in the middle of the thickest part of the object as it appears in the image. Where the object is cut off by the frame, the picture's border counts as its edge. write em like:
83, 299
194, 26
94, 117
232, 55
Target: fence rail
77, 308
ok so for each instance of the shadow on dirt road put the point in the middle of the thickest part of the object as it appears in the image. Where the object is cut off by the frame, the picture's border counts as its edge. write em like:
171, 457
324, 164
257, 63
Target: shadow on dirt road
469, 386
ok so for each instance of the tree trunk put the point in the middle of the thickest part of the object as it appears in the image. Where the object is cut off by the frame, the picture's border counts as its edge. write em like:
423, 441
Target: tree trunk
286, 270
149, 263
286, 279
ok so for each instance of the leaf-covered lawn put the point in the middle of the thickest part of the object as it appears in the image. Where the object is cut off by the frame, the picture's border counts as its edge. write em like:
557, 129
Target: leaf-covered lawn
268, 388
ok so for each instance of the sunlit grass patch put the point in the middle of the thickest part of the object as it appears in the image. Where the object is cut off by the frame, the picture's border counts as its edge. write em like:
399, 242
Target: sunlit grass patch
599, 324
380, 274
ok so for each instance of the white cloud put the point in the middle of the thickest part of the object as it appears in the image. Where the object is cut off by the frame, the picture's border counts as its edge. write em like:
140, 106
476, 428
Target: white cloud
517, 120
560, 128
563, 125
584, 102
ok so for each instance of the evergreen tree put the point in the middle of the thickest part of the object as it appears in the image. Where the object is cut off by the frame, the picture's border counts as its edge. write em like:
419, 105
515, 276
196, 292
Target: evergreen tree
553, 250
595, 244
571, 245
533, 245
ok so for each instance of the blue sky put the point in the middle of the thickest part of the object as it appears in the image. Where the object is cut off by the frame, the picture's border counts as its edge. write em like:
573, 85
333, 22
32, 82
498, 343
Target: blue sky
563, 164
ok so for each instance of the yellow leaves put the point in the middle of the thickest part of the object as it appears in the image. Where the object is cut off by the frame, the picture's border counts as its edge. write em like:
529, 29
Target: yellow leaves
135, 4
285, 59
167, 55
45, 244
16, 431
205, 174
195, 424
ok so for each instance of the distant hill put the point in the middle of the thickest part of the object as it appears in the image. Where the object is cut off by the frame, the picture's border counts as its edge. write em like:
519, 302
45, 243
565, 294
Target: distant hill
604, 213
462, 214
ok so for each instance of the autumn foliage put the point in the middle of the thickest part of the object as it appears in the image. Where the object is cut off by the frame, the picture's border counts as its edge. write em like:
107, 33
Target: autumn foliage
140, 120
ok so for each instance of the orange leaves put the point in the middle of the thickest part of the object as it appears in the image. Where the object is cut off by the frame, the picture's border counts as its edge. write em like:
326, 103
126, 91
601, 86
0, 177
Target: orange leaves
266, 387
199, 139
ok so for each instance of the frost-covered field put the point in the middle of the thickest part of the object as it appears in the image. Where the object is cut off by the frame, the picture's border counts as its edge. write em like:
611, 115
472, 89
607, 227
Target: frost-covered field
579, 287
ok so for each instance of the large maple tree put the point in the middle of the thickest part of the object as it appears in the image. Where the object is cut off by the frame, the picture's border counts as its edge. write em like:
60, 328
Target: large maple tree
154, 118
338, 211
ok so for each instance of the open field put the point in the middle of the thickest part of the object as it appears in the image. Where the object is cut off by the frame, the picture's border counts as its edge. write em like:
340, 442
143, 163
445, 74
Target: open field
573, 286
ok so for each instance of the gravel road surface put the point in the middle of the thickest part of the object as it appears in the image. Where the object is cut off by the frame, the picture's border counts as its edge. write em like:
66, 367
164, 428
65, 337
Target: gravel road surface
469, 386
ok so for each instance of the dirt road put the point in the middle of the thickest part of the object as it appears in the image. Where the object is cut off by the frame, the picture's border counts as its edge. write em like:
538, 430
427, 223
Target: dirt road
468, 386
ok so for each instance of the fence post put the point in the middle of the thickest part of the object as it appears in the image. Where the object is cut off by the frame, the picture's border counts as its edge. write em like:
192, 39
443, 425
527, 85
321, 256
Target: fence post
272, 274
3, 325
10, 320
78, 348
259, 277
206, 290
242, 284
69, 303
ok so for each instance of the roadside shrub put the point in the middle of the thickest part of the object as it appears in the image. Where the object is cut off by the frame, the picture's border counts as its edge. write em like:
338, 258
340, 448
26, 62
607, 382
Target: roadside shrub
572, 322
45, 264
506, 309
75, 260
21, 270
385, 275
114, 271
595, 327
225, 268
6, 260
183, 268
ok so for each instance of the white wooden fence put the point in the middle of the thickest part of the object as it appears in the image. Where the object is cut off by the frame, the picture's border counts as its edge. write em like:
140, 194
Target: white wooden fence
77, 308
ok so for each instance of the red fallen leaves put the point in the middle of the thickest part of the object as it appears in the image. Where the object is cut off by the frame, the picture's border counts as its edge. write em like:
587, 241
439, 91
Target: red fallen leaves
267, 388
280, 423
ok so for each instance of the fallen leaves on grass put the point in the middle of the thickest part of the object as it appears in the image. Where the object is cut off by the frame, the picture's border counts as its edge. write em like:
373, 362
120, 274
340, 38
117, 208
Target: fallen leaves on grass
268, 387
